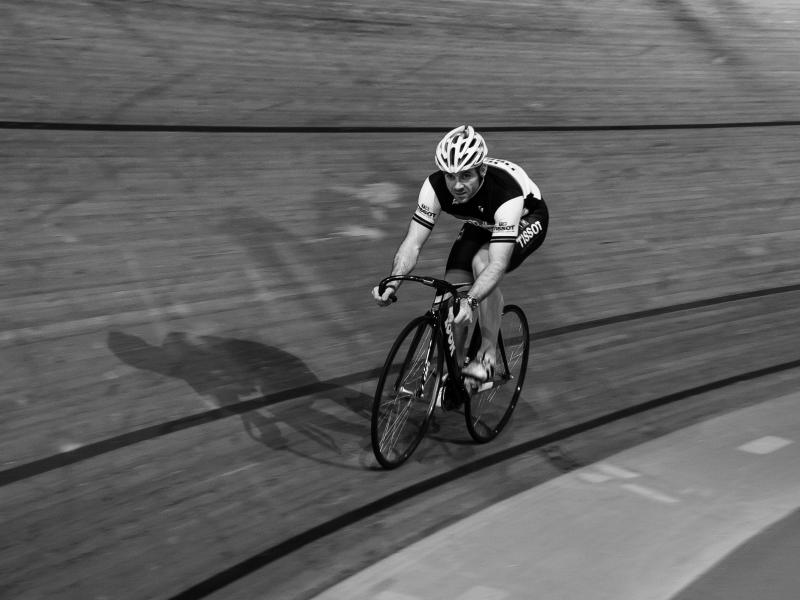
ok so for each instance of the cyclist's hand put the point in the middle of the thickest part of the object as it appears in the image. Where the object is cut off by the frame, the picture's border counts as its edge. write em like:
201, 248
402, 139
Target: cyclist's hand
386, 299
464, 313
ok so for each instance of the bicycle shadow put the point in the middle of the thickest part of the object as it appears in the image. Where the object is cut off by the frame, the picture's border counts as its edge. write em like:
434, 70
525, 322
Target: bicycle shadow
329, 426
446, 440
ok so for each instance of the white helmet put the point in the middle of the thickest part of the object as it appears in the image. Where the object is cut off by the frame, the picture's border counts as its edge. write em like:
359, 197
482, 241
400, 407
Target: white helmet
460, 149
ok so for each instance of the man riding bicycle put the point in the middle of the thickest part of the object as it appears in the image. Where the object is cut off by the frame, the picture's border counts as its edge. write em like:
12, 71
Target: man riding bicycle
505, 221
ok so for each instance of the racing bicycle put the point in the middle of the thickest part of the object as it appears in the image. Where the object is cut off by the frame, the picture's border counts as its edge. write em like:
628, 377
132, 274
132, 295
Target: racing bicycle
422, 373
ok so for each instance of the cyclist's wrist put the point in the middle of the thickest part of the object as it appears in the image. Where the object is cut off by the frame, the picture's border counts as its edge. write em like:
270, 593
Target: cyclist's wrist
470, 299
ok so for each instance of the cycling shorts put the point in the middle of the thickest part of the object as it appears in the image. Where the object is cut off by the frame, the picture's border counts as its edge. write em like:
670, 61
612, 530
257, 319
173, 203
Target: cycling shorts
530, 235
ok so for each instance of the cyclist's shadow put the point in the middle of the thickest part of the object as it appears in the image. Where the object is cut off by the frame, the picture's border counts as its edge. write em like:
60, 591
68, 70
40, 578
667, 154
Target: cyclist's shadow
230, 370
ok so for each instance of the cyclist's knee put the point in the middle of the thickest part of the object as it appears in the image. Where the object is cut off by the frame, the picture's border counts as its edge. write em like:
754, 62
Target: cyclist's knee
480, 261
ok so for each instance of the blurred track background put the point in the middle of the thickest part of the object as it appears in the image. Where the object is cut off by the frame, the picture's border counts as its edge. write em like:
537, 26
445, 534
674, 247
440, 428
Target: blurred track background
198, 197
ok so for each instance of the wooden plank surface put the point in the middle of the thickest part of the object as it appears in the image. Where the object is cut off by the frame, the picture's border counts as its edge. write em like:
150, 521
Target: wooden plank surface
149, 278
151, 283
373, 63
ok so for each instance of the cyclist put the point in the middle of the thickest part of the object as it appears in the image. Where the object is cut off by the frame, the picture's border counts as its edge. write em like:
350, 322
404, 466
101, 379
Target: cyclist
505, 220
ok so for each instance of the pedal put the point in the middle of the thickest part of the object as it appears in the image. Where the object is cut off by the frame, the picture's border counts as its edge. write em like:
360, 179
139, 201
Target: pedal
471, 384
484, 386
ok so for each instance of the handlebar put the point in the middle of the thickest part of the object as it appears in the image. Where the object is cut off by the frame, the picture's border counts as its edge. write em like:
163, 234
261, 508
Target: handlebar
440, 285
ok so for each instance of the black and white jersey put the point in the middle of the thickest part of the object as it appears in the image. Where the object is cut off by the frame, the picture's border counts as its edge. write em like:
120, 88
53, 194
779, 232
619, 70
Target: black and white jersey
504, 196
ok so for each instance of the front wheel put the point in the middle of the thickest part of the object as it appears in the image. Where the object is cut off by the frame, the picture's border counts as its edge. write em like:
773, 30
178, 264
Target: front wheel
406, 393
490, 406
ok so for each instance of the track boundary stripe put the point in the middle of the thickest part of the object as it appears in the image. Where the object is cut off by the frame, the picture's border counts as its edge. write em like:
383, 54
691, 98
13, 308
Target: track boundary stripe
173, 128
62, 459
294, 543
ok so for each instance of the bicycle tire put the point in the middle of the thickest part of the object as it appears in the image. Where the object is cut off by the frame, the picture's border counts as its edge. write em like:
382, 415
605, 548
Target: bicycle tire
489, 409
406, 392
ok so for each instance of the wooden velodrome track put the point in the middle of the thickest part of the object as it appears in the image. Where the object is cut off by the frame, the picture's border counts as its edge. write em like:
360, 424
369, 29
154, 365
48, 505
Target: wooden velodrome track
188, 344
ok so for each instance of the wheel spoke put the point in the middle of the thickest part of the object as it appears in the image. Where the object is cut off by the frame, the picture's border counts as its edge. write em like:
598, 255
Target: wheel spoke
491, 405
405, 394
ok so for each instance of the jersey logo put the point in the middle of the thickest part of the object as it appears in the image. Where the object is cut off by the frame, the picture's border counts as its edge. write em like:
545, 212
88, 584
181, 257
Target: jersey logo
504, 226
527, 234
425, 211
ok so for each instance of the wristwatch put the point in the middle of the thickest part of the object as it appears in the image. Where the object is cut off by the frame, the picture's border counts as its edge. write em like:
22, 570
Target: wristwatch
473, 302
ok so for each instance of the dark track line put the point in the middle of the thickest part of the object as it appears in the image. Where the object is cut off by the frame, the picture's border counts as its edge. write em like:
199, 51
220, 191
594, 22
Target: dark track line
147, 127
664, 310
55, 461
273, 553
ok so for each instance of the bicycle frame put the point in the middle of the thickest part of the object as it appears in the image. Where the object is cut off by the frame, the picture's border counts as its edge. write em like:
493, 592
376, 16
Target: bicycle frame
447, 293
401, 416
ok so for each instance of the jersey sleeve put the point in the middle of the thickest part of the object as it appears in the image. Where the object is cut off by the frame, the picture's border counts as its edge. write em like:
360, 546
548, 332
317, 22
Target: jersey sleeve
506, 221
526, 184
428, 206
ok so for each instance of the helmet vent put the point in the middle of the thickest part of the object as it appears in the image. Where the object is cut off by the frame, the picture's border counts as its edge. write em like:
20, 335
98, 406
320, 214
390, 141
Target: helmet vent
460, 150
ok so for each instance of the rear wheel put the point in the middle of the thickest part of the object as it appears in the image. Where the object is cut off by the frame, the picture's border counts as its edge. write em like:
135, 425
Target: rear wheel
490, 406
406, 393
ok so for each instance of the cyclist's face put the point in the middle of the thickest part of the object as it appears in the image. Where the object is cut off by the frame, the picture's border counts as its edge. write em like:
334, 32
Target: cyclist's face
464, 184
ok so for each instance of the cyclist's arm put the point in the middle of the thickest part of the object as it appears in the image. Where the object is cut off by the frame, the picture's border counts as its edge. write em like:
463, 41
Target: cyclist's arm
407, 254
419, 230
501, 247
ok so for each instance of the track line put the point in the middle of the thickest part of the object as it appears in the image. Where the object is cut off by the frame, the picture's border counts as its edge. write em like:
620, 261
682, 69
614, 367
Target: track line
145, 127
655, 312
238, 571
72, 456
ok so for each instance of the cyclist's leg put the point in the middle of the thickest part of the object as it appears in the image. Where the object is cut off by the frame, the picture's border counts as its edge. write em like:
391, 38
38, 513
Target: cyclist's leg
489, 312
459, 270
532, 232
